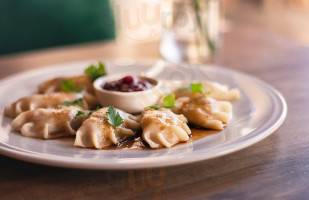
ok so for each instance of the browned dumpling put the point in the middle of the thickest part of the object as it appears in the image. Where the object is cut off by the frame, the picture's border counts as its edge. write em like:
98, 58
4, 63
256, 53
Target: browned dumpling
90, 102
163, 128
205, 111
97, 133
214, 90
47, 123
37, 101
54, 85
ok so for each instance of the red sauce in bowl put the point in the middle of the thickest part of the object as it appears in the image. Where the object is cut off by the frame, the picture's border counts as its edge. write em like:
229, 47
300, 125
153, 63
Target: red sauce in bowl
128, 84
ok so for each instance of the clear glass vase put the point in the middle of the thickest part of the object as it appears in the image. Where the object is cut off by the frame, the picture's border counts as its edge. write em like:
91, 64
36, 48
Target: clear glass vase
191, 30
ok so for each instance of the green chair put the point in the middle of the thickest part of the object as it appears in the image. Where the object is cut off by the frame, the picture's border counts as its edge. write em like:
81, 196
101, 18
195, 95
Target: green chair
34, 24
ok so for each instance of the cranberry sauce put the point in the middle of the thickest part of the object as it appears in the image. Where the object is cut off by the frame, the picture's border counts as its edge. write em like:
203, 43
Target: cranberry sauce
128, 84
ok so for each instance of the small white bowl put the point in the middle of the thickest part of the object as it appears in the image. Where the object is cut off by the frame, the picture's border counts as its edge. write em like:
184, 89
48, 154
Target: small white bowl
131, 102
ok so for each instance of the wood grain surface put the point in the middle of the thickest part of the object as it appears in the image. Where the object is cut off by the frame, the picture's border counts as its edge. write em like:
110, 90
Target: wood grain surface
275, 168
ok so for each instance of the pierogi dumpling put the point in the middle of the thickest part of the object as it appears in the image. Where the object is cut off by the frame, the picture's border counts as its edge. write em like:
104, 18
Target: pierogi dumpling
205, 111
47, 123
90, 102
96, 132
163, 128
55, 85
214, 90
37, 101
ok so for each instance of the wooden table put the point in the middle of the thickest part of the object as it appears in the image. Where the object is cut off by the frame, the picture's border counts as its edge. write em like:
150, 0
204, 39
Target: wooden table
275, 168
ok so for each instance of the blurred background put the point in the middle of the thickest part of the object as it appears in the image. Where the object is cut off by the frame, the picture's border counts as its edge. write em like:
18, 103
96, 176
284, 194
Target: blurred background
288, 18
35, 24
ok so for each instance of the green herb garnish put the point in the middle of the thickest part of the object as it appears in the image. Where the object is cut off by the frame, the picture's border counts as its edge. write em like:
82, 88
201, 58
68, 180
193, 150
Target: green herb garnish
69, 86
79, 113
197, 88
86, 113
168, 102
96, 72
113, 117
78, 102
156, 107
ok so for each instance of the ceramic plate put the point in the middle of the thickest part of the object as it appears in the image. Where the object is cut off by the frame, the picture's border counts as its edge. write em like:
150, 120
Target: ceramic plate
258, 113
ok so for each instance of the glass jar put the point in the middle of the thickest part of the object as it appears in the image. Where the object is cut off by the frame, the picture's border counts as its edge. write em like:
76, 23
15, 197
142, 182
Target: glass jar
191, 30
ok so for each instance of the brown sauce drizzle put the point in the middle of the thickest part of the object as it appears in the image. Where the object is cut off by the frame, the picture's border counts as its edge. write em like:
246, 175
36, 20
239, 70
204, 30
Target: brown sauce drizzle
137, 143
197, 134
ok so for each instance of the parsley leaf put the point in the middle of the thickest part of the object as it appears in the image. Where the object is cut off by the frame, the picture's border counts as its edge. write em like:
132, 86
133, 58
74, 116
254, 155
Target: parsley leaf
69, 86
197, 88
86, 113
78, 102
96, 72
79, 113
169, 101
156, 107
113, 117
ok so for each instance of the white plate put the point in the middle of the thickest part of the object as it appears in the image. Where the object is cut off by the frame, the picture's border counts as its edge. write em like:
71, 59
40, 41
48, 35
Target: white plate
259, 112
